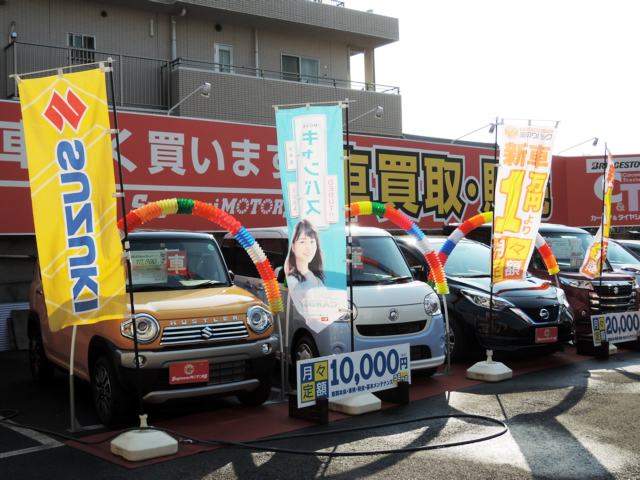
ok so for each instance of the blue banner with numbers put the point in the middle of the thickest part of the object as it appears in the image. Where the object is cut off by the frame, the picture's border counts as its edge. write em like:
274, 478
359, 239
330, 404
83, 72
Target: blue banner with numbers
615, 327
350, 374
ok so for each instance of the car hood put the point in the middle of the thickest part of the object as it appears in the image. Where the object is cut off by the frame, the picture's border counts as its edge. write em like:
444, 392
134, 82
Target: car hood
207, 302
511, 289
376, 296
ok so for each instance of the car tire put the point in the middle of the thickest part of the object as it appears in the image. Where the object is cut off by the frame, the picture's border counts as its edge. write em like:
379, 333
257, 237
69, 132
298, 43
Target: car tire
456, 341
257, 396
111, 402
42, 370
305, 349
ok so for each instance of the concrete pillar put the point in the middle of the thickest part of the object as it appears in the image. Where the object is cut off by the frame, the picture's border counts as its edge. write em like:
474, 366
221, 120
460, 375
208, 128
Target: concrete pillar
369, 69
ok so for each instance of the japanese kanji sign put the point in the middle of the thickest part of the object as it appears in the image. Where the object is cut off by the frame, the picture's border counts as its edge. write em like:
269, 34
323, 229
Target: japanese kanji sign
525, 166
596, 254
66, 131
350, 374
311, 173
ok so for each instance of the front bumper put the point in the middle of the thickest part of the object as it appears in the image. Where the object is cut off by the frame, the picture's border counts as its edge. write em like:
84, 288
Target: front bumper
232, 369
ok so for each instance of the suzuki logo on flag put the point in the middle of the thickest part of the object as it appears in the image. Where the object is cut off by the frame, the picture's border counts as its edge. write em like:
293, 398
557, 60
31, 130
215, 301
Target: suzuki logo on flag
71, 110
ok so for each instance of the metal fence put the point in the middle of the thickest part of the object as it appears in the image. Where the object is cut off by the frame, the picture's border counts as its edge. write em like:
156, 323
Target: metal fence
138, 81
279, 75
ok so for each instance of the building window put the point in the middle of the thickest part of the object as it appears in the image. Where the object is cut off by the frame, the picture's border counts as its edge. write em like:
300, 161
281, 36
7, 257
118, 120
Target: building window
223, 57
300, 69
86, 42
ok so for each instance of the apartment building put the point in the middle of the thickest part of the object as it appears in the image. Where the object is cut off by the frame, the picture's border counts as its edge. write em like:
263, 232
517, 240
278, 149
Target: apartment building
254, 53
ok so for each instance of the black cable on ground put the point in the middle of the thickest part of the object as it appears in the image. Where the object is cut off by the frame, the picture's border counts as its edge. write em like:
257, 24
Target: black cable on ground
250, 444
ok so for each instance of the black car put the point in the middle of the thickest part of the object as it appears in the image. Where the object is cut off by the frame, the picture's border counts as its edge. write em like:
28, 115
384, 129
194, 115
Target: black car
528, 316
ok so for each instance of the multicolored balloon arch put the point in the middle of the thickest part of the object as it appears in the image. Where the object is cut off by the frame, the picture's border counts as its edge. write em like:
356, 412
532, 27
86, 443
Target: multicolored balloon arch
204, 210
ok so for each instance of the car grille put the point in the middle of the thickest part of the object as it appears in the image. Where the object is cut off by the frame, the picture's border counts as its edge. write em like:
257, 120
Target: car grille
612, 297
391, 329
534, 314
203, 333
219, 374
419, 352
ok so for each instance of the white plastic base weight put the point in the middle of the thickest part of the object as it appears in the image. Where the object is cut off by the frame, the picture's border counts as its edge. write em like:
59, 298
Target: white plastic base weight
138, 445
489, 371
612, 349
357, 405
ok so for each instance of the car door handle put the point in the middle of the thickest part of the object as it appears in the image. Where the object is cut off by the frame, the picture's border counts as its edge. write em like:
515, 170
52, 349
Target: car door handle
259, 287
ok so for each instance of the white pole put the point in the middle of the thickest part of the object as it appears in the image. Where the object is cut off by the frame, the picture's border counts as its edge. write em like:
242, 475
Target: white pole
282, 360
71, 390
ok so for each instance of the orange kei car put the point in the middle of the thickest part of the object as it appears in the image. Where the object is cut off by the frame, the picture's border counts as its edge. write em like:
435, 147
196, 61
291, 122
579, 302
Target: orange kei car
198, 334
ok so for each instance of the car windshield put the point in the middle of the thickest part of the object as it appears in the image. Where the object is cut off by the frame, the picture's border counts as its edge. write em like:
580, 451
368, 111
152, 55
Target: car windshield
380, 262
618, 255
182, 264
569, 249
467, 260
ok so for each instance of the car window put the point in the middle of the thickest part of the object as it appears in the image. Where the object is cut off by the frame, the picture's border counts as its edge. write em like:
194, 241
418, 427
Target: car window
618, 255
569, 249
243, 265
467, 260
382, 262
227, 252
275, 250
176, 264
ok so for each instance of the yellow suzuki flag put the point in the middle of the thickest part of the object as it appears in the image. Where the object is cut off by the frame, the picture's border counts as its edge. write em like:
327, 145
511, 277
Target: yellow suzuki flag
66, 130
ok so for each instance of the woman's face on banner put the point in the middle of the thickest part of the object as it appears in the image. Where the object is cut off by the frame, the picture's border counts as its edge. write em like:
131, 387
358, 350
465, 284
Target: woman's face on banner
304, 249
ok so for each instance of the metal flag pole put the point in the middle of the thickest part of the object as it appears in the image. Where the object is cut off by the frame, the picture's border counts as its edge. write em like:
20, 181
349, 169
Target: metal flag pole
493, 226
127, 252
349, 238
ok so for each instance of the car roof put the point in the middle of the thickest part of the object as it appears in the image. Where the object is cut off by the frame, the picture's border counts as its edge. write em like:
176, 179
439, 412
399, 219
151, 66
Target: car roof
283, 232
544, 228
169, 234
433, 239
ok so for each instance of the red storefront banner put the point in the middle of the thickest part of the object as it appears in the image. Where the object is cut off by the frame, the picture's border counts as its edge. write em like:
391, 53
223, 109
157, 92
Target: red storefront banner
235, 167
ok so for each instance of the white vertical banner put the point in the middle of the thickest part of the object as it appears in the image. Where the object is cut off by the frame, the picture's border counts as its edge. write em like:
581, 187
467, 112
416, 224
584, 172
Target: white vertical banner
523, 174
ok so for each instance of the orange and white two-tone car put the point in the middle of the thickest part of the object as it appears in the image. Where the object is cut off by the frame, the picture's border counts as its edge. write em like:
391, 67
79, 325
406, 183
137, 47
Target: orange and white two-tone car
198, 334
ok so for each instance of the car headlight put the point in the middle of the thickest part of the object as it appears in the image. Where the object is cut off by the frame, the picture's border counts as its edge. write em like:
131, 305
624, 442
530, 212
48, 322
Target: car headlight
562, 297
432, 304
147, 328
635, 282
572, 282
259, 319
347, 316
482, 300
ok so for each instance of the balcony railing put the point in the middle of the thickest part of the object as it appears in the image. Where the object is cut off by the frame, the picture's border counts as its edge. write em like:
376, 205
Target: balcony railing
330, 2
279, 75
143, 82
140, 82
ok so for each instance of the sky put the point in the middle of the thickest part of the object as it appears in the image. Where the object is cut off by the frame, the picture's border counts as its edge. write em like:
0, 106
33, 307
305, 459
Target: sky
460, 64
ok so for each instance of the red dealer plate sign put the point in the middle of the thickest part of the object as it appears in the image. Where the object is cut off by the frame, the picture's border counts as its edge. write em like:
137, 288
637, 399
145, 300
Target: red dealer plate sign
547, 335
189, 372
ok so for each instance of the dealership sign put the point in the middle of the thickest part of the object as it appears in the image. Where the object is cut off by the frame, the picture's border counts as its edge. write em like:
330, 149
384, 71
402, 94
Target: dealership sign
337, 377
615, 327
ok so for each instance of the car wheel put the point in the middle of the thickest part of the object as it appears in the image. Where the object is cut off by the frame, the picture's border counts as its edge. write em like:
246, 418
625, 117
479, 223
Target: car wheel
304, 350
259, 395
457, 343
109, 398
42, 370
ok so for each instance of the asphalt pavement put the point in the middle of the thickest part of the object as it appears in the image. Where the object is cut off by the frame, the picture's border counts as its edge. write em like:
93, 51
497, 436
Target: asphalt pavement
577, 421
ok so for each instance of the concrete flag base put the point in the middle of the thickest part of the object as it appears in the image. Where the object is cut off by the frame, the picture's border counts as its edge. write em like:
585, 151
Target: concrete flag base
138, 445
489, 371
357, 405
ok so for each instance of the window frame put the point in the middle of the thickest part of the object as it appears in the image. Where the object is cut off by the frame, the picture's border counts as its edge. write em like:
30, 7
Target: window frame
301, 78
216, 57
80, 55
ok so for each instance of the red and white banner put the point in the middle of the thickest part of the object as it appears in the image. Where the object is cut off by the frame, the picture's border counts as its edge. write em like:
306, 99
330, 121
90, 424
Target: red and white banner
525, 166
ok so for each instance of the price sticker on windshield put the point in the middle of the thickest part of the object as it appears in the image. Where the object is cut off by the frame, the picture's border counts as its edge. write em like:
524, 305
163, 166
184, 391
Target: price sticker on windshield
149, 266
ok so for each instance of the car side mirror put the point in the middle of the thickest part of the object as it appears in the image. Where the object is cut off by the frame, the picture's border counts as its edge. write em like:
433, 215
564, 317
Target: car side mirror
232, 275
414, 273
279, 271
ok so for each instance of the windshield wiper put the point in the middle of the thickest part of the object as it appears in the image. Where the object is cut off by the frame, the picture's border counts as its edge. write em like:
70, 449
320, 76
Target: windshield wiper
206, 284
481, 275
149, 288
366, 282
397, 280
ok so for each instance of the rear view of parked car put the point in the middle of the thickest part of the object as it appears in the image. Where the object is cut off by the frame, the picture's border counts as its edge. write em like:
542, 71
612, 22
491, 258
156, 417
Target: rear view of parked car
390, 307
527, 316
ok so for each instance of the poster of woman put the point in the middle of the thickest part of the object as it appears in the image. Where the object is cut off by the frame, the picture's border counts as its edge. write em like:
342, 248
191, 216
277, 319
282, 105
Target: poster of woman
310, 152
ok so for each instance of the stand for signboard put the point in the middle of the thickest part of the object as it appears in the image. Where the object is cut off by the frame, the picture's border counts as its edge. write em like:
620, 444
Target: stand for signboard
367, 402
490, 371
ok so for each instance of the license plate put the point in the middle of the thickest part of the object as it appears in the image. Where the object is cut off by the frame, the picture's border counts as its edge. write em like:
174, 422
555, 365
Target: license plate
188, 372
547, 335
